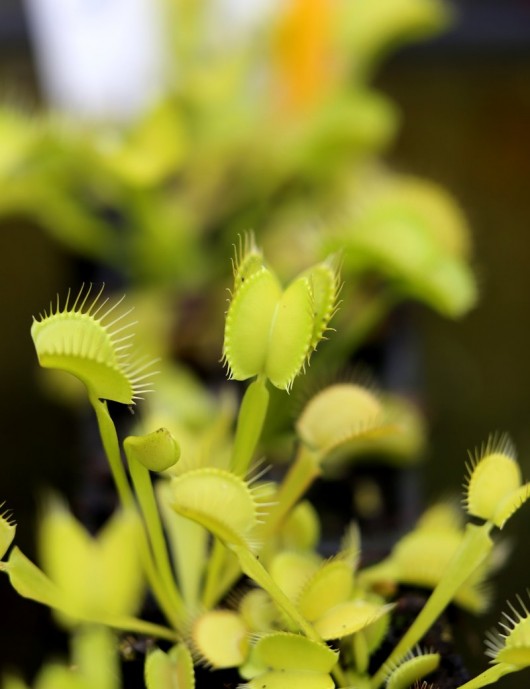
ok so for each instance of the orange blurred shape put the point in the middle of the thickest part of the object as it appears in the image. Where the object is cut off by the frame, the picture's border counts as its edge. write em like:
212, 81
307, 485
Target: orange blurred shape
303, 66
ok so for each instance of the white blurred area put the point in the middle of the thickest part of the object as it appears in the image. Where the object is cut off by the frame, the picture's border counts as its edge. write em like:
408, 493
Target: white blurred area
107, 59
242, 15
98, 59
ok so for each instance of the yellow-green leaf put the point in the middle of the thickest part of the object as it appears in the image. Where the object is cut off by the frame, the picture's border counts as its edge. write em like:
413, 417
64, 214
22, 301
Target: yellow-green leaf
348, 618
248, 323
172, 670
330, 585
493, 477
221, 638
157, 451
290, 334
219, 500
291, 652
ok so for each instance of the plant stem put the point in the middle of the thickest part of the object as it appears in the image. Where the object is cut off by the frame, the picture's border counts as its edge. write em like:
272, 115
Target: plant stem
212, 593
109, 438
251, 418
253, 568
489, 676
250, 422
146, 497
134, 624
475, 547
302, 472
96, 656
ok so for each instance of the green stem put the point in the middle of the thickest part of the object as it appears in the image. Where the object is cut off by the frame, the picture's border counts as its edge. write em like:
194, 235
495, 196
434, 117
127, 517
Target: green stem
489, 676
475, 547
109, 438
361, 652
250, 422
253, 568
134, 624
95, 655
302, 472
225, 573
212, 593
251, 418
148, 505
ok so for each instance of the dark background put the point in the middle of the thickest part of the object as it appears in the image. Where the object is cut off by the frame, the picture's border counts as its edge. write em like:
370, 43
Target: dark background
465, 103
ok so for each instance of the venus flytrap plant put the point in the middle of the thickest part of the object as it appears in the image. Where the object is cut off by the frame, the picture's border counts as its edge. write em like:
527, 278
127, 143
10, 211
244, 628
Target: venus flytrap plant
421, 557
91, 342
219, 639
337, 422
225, 504
98, 576
156, 451
68, 598
270, 334
494, 492
283, 658
80, 341
313, 623
508, 649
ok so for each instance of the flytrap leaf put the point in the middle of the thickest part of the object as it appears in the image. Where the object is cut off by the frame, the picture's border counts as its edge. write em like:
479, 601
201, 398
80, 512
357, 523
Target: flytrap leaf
270, 331
98, 576
349, 617
293, 652
219, 500
7, 531
157, 451
331, 585
325, 288
89, 341
220, 638
338, 415
301, 529
290, 334
430, 262
421, 557
30, 582
248, 323
291, 570
494, 491
412, 669
172, 670
512, 645
247, 261
258, 611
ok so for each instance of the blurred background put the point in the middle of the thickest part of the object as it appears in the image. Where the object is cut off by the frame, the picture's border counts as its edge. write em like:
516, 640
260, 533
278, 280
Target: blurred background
463, 104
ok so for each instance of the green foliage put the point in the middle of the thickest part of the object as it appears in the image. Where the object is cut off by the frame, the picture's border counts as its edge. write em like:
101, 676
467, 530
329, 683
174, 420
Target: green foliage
185, 179
312, 622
